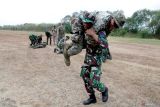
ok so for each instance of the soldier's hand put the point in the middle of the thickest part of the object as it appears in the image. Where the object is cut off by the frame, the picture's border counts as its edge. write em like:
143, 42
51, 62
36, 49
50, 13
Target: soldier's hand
90, 32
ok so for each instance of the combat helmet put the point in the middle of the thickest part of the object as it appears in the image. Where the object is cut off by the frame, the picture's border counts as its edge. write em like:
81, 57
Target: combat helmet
119, 19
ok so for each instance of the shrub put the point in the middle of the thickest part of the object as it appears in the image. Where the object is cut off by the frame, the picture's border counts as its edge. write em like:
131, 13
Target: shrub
144, 34
119, 32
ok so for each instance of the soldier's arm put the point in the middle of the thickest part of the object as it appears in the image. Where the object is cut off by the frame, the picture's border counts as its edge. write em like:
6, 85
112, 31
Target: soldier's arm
100, 38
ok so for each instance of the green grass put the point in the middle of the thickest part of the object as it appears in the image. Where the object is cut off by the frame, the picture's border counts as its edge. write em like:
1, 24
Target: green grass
134, 40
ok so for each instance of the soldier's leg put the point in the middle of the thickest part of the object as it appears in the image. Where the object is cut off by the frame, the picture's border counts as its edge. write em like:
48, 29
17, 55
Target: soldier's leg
70, 50
50, 40
67, 44
53, 39
60, 47
95, 75
74, 50
109, 54
31, 43
85, 74
47, 40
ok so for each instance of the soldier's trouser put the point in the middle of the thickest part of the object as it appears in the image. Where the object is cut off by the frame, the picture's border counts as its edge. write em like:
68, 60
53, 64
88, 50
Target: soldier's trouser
91, 78
54, 39
60, 45
74, 49
50, 40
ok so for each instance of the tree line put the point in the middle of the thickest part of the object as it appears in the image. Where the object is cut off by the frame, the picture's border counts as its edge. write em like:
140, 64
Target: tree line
143, 23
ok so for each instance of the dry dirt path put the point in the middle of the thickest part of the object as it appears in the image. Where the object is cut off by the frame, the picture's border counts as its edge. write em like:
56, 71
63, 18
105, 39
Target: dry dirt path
39, 78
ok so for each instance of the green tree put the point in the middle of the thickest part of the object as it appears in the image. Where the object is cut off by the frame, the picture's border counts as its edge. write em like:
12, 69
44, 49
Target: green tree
155, 23
67, 27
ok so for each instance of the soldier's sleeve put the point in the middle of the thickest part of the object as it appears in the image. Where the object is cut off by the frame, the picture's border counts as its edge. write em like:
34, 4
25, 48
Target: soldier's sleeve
76, 29
102, 39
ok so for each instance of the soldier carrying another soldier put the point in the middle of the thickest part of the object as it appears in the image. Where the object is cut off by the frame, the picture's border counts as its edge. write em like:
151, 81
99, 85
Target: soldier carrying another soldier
91, 34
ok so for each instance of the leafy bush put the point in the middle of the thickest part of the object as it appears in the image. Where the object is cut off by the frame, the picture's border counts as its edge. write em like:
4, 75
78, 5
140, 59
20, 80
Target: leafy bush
67, 27
144, 34
119, 32
157, 33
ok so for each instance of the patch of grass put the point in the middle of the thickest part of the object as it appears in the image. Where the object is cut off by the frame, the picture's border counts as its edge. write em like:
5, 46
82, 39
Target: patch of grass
134, 40
131, 39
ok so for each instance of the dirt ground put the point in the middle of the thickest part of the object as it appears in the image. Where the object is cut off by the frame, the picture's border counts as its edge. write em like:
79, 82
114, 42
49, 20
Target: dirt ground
39, 77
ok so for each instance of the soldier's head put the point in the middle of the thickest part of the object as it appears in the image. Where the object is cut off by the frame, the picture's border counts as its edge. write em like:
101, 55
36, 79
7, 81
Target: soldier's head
88, 20
116, 21
54, 26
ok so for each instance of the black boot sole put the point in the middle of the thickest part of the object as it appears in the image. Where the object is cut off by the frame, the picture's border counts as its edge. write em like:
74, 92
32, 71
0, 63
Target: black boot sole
93, 102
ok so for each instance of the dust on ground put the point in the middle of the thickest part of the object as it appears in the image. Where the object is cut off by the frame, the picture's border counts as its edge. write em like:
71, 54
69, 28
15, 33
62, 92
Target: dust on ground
39, 78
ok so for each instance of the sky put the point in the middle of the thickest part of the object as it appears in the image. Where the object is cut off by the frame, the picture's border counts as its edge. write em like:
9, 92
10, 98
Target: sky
13, 12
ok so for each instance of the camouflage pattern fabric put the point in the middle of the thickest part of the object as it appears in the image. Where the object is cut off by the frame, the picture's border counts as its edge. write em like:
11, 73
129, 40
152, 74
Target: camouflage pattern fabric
33, 39
96, 52
91, 70
36, 41
41, 45
60, 33
60, 45
91, 78
78, 38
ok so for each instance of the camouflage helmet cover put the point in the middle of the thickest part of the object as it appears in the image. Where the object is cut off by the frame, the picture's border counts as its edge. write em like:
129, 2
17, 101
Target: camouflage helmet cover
119, 19
87, 17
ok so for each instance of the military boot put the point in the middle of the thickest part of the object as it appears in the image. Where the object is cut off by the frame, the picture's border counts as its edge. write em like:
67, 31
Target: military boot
90, 100
105, 95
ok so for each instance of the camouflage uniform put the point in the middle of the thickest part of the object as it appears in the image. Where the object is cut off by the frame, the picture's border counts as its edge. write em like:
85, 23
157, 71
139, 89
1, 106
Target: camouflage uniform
54, 33
33, 39
77, 38
60, 46
60, 37
91, 70
36, 41
78, 42
60, 33
96, 51
49, 37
